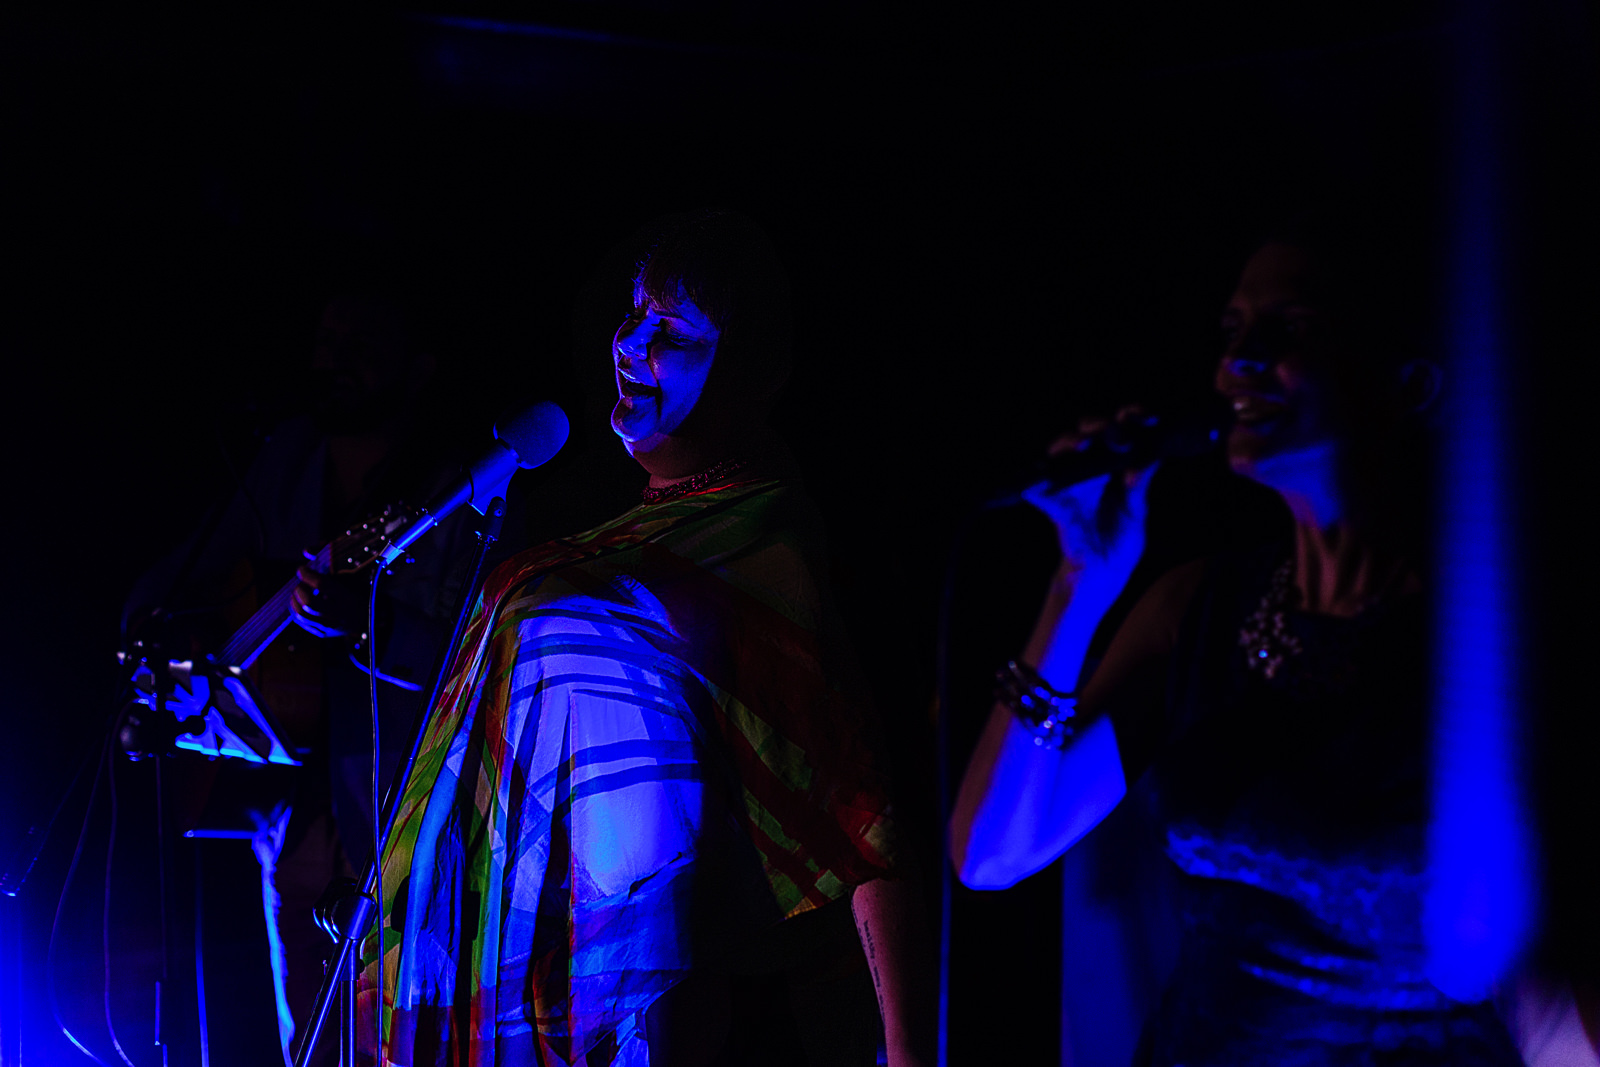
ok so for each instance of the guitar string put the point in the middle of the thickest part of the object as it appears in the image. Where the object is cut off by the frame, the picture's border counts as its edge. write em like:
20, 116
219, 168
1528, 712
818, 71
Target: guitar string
268, 619
258, 626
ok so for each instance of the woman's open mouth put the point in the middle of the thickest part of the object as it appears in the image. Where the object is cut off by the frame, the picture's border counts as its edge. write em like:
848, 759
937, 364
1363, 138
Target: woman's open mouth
629, 388
1254, 409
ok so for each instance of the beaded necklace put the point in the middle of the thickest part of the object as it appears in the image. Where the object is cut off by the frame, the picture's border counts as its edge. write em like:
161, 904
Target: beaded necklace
1265, 635
695, 482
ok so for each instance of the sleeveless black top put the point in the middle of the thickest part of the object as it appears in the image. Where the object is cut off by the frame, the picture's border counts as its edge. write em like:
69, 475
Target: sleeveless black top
1292, 789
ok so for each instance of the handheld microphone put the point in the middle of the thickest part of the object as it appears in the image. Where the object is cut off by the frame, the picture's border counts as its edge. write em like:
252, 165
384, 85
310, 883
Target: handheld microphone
528, 438
1125, 445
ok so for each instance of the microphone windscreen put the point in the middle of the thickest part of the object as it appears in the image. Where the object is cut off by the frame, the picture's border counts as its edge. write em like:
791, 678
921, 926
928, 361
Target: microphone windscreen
535, 433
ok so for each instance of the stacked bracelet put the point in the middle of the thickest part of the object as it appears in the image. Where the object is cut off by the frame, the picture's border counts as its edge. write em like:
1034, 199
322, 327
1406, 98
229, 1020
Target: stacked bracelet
1044, 710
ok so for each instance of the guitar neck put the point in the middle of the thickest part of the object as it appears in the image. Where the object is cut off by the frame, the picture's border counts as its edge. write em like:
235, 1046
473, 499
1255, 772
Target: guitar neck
273, 617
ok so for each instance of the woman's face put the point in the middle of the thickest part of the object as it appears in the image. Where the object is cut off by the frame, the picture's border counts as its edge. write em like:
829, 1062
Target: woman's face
661, 359
1281, 368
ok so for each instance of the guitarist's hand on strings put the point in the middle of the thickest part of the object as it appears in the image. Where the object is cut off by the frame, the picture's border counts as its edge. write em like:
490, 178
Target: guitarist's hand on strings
329, 605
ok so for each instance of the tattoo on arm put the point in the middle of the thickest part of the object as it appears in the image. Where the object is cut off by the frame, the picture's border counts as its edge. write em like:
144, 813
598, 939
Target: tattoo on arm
872, 956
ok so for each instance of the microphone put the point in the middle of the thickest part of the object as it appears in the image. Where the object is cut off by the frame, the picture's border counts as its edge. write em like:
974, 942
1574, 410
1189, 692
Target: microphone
525, 439
1126, 444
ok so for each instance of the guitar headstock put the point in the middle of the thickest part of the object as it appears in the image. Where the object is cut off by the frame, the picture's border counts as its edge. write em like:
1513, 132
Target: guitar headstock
361, 544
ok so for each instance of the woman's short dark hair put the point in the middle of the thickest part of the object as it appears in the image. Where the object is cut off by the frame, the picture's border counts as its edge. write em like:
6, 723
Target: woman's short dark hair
723, 263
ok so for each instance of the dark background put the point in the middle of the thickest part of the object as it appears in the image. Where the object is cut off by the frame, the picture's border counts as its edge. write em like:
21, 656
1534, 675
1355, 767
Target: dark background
996, 219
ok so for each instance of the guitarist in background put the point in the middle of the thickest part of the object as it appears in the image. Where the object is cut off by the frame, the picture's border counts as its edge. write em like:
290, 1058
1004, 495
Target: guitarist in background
356, 451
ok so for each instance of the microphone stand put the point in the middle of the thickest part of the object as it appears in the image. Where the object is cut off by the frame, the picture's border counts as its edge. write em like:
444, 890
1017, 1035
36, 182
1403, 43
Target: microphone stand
354, 920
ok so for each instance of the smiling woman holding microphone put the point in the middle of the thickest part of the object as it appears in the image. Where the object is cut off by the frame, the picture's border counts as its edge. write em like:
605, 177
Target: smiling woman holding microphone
1277, 691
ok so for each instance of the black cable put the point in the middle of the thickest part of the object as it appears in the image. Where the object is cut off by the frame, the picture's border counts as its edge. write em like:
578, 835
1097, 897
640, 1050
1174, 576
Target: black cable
61, 902
942, 696
377, 758
164, 983
27, 853
372, 880
943, 699
200, 960
105, 915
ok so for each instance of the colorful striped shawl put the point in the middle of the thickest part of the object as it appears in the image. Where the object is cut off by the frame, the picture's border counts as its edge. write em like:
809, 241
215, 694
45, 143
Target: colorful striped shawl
648, 732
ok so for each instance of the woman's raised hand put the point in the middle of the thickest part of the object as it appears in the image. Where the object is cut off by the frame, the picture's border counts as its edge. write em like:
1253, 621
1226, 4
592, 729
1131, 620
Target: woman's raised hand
1099, 522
